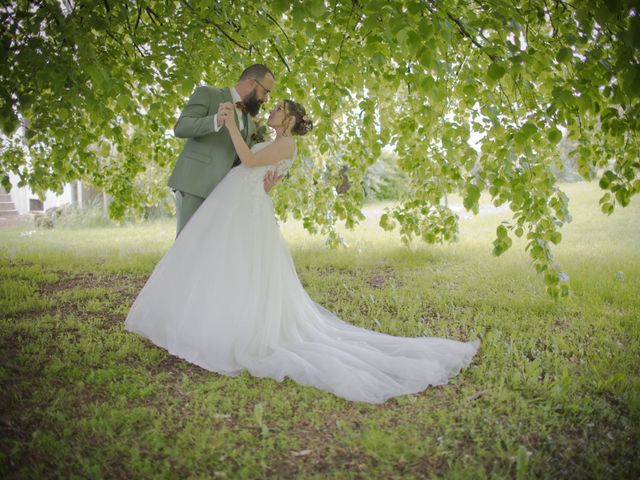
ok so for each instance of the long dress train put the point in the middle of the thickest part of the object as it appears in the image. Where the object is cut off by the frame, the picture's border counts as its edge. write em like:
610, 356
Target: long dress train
226, 297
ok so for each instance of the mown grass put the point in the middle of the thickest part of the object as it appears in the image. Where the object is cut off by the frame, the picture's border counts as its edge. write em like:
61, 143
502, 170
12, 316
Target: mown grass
553, 393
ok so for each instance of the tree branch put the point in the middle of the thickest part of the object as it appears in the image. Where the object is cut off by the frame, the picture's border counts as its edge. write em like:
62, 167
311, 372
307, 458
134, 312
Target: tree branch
115, 39
280, 55
138, 48
278, 25
257, 50
57, 16
229, 37
508, 99
138, 19
465, 33
332, 21
206, 20
353, 6
155, 18
126, 17
188, 5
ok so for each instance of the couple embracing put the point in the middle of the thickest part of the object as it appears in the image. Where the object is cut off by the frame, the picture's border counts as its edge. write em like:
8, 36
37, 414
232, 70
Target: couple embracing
227, 297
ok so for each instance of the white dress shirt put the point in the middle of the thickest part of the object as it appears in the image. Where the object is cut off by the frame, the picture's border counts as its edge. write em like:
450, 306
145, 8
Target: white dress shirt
235, 96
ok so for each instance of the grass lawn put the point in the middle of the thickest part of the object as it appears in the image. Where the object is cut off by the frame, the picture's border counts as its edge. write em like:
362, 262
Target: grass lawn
553, 393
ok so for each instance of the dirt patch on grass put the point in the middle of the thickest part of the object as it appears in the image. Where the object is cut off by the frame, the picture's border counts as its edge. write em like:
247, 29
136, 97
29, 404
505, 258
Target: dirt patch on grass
176, 366
113, 282
120, 290
380, 279
574, 449
375, 279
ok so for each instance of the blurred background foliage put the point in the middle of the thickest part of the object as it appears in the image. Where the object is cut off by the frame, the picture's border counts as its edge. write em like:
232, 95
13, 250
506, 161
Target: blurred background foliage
471, 96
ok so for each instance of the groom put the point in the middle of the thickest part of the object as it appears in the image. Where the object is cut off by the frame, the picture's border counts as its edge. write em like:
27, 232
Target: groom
208, 154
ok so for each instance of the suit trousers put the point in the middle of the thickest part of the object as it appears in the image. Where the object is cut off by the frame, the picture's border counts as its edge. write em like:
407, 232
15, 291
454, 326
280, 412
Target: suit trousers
186, 206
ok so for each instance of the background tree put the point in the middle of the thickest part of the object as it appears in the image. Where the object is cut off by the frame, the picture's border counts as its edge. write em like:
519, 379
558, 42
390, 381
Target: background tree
384, 180
96, 79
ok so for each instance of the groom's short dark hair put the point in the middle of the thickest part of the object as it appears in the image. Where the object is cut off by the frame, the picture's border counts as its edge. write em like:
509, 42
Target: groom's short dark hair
257, 70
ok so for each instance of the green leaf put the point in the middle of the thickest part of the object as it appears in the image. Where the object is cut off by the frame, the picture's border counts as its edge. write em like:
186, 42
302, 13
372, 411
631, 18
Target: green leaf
528, 129
631, 81
470, 200
501, 245
8, 121
123, 102
280, 6
564, 54
563, 95
623, 197
426, 58
607, 208
414, 41
551, 278
607, 178
470, 90
386, 223
495, 72
316, 7
426, 27
554, 136
606, 198
186, 86
378, 59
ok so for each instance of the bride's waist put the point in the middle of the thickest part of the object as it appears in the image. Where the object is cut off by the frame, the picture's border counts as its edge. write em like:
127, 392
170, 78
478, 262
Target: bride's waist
246, 179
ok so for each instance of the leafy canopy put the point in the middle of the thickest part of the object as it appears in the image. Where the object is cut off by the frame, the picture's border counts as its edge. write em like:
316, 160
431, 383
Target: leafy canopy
97, 85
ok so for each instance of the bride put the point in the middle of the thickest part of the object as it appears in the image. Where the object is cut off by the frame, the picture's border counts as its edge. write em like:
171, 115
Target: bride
226, 296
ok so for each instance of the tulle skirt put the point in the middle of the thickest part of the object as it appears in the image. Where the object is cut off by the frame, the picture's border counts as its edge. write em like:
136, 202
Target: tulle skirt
227, 297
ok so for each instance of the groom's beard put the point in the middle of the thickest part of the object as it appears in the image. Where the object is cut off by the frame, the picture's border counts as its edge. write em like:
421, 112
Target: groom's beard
252, 103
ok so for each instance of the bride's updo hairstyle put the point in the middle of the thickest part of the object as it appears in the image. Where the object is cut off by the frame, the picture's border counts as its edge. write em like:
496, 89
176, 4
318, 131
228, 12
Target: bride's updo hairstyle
303, 123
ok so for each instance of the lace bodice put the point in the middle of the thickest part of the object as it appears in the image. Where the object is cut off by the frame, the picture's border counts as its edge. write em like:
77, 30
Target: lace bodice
256, 174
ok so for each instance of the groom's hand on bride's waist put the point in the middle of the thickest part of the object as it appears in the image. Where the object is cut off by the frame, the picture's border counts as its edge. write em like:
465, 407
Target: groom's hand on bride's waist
270, 179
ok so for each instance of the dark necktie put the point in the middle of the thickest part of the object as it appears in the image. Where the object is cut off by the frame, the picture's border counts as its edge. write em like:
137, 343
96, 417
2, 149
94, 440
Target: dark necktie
245, 120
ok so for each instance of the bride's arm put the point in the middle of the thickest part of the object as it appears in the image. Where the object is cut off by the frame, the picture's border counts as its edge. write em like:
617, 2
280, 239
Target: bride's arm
278, 150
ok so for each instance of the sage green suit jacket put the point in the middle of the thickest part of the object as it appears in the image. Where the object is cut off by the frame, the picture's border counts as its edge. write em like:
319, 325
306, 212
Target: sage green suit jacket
208, 155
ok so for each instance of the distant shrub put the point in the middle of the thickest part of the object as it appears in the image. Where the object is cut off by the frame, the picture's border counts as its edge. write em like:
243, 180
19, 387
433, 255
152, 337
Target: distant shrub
384, 180
71, 216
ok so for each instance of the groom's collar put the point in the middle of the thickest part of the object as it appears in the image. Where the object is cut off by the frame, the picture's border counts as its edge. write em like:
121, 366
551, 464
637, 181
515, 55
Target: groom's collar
235, 95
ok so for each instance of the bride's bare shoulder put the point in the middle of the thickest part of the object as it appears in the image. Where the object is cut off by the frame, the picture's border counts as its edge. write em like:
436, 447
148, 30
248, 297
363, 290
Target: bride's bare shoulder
279, 149
286, 145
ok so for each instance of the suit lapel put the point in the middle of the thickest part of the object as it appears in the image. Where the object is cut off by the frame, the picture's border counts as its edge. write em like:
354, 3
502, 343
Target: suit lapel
228, 98
249, 127
246, 130
226, 94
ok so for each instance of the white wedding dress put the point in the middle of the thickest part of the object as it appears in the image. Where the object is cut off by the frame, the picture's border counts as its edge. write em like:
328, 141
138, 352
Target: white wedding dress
226, 297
